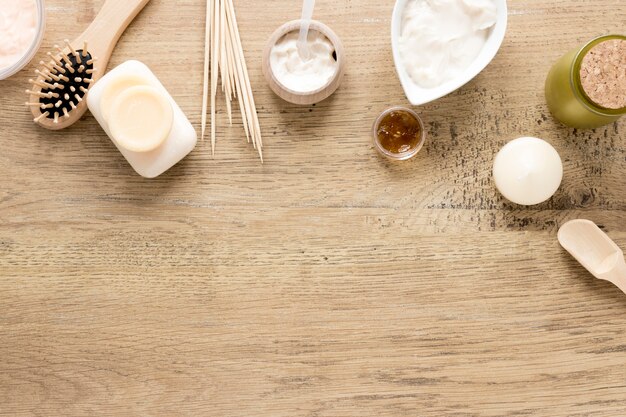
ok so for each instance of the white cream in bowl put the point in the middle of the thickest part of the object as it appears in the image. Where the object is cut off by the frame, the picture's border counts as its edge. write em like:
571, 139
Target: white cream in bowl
441, 38
301, 75
440, 45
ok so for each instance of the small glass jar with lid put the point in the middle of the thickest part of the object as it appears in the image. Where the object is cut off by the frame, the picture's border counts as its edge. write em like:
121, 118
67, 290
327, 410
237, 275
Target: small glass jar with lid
399, 133
573, 99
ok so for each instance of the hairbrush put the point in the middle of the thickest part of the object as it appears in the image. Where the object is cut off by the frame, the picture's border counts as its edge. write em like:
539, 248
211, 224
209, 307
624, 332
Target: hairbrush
57, 96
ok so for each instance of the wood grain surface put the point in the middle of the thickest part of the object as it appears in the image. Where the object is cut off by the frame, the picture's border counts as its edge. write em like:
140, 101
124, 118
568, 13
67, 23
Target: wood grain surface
328, 281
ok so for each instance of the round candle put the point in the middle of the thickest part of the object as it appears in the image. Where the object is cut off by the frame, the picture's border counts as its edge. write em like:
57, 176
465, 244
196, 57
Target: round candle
528, 171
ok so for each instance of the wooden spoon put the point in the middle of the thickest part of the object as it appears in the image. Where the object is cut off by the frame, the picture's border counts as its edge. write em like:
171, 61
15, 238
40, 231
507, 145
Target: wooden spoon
595, 250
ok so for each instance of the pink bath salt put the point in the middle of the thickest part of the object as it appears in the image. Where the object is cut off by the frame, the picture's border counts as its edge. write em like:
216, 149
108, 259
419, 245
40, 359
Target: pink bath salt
19, 21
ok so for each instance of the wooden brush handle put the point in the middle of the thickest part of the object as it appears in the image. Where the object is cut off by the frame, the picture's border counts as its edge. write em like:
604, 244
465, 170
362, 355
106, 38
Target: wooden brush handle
104, 32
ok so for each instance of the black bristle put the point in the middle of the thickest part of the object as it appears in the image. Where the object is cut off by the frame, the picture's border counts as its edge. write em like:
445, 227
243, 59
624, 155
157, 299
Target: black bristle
78, 84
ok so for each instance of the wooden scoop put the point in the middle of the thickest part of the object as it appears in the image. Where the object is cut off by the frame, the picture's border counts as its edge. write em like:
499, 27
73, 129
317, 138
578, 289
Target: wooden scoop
595, 250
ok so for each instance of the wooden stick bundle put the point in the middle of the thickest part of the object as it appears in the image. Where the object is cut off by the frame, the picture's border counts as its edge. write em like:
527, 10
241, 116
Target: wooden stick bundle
224, 52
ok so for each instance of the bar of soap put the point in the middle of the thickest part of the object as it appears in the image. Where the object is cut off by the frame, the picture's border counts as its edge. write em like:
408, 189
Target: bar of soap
115, 86
140, 118
101, 100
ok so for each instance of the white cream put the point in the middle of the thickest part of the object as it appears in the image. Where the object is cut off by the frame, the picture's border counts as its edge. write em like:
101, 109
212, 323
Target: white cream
441, 38
19, 21
299, 75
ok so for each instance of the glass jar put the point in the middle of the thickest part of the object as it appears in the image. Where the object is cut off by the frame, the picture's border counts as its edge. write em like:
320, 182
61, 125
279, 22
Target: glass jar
418, 140
566, 97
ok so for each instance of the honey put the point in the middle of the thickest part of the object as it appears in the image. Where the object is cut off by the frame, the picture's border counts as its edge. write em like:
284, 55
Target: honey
399, 133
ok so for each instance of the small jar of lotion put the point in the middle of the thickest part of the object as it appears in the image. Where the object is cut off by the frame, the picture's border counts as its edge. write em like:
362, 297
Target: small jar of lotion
141, 118
586, 88
399, 133
22, 25
301, 81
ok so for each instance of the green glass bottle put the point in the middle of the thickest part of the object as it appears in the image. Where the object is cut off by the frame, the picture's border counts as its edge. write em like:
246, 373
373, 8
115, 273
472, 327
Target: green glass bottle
566, 97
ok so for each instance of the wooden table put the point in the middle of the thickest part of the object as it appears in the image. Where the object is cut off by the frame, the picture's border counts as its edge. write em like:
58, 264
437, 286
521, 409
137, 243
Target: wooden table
328, 281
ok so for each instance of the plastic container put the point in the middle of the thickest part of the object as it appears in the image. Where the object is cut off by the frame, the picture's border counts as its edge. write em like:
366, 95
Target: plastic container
565, 96
30, 53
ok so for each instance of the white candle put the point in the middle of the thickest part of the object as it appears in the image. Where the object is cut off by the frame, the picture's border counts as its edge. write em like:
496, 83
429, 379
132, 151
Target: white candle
528, 171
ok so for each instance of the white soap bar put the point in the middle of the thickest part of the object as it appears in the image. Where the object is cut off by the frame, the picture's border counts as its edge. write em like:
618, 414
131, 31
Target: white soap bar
141, 118
182, 137
115, 87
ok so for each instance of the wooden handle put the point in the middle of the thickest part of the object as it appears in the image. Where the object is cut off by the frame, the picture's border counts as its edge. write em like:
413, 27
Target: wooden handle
104, 32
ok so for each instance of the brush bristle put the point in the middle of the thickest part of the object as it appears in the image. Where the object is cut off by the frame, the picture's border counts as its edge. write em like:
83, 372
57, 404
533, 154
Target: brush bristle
63, 82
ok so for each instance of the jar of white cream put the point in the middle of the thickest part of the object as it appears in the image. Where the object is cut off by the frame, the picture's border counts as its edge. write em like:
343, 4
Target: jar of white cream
299, 81
22, 25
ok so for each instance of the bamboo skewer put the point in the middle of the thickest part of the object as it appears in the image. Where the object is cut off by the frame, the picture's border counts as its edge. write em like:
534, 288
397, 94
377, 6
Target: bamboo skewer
207, 49
214, 63
237, 87
231, 64
224, 58
243, 97
224, 63
247, 87
241, 72
222, 67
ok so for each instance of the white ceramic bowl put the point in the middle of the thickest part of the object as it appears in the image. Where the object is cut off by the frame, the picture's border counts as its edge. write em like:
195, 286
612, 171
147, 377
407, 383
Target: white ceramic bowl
418, 95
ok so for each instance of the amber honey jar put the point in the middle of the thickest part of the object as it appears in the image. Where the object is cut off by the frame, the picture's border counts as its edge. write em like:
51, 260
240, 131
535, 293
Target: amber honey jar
399, 133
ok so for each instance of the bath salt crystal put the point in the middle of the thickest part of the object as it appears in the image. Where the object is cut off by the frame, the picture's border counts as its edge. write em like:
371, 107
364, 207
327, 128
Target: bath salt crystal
18, 29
